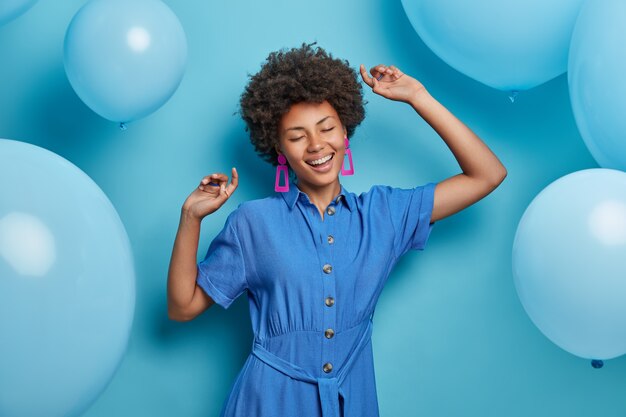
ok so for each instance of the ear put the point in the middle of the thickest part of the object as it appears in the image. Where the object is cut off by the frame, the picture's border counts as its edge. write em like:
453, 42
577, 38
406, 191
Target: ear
277, 149
345, 131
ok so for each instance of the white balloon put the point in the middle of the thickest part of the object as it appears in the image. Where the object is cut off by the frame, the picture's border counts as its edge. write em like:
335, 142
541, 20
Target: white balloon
569, 262
509, 45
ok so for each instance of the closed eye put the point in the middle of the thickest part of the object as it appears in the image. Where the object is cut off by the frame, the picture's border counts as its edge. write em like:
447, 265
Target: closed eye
295, 139
328, 130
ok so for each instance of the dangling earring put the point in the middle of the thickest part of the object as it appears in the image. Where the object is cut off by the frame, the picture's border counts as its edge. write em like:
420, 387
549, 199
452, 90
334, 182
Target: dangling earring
281, 168
349, 171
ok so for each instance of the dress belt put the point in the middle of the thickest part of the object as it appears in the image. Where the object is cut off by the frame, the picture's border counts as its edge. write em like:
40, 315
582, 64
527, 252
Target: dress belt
329, 388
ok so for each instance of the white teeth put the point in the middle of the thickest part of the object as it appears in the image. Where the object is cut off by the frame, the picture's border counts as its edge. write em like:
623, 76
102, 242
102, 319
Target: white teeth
320, 161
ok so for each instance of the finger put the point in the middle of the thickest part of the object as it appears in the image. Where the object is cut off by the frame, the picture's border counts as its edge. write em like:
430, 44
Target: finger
376, 86
210, 189
378, 71
204, 181
380, 90
395, 71
213, 178
385, 71
234, 182
218, 179
210, 182
366, 78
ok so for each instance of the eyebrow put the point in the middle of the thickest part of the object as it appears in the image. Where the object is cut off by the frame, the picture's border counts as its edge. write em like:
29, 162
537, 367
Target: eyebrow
301, 128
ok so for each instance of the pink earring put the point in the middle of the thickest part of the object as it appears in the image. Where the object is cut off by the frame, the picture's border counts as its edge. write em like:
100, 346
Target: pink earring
281, 168
349, 171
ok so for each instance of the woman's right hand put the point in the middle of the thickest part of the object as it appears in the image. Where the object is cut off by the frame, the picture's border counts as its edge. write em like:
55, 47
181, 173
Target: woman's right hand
206, 199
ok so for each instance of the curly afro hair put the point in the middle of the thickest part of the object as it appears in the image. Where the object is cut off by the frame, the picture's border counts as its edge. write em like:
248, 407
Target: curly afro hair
305, 74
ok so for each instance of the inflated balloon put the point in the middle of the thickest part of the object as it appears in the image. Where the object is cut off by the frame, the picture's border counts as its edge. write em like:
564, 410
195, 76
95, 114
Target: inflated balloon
67, 285
125, 58
509, 45
597, 87
569, 263
10, 9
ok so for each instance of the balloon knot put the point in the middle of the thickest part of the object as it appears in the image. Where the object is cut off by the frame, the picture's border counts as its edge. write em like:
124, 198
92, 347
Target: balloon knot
597, 363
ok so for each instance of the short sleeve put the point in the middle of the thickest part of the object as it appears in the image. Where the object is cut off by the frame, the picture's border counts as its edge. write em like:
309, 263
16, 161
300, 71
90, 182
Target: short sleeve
222, 272
410, 211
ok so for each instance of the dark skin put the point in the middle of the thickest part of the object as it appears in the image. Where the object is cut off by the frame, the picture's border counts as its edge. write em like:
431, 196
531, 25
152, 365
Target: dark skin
312, 132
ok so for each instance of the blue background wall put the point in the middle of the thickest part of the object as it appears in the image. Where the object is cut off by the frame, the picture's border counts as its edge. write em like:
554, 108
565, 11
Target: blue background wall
450, 338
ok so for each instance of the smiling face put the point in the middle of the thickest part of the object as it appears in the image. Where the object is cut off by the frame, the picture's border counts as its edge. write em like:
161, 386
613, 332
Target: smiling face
311, 136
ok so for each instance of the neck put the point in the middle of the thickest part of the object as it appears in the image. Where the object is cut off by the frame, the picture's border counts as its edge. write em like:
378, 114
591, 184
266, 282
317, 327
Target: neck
321, 196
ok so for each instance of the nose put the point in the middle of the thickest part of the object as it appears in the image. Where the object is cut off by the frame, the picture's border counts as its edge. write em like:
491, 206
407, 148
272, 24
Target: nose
316, 143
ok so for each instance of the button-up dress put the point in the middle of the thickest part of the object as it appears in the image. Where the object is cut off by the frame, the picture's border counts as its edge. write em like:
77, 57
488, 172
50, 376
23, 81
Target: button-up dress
312, 285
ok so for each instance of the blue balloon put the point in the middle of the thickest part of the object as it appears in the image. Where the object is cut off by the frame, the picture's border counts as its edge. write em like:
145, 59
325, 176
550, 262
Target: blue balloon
569, 262
67, 285
597, 87
509, 45
125, 58
10, 9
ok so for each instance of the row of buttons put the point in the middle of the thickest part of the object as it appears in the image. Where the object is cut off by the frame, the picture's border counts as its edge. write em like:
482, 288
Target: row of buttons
329, 333
330, 301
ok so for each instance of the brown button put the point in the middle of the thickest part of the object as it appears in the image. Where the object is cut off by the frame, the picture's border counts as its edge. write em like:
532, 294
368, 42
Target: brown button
327, 268
331, 239
328, 367
330, 210
330, 301
329, 333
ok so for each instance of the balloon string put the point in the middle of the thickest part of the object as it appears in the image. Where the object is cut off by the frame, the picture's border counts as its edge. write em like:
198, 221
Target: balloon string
123, 126
513, 95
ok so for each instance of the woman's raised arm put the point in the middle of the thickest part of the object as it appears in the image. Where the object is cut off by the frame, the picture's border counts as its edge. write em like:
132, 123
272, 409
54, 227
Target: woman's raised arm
185, 299
482, 170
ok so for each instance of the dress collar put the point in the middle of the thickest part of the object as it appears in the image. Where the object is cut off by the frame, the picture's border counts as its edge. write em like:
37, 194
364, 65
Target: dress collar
294, 193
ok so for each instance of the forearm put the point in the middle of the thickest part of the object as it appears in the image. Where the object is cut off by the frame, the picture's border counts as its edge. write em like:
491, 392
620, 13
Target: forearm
183, 270
474, 157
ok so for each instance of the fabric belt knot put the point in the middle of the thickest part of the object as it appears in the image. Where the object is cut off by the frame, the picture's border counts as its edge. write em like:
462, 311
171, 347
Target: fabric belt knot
329, 396
329, 388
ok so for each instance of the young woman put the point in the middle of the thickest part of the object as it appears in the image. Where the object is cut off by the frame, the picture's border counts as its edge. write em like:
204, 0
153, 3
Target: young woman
314, 257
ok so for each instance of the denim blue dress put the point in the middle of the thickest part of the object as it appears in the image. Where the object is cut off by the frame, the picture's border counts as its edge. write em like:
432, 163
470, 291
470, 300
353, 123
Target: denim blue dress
312, 287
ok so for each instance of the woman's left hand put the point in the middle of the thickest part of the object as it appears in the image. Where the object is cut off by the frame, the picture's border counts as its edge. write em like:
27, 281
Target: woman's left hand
391, 83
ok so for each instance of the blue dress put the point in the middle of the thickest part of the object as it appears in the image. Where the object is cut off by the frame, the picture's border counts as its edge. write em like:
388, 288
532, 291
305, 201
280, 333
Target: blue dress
312, 287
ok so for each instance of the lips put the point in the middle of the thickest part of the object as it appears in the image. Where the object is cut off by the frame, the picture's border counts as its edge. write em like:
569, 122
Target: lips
326, 159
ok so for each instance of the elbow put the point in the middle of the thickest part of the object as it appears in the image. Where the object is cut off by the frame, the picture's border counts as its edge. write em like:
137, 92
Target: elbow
498, 178
178, 315
503, 176
179, 318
